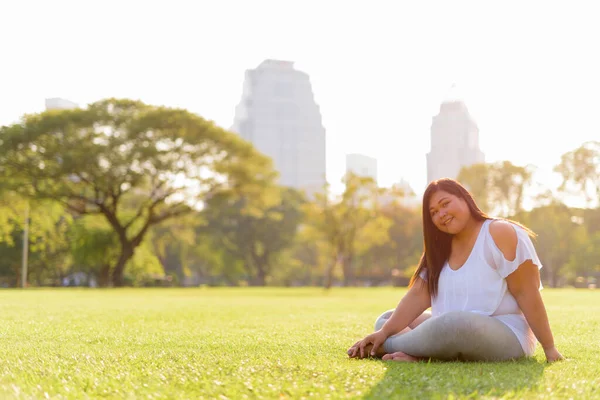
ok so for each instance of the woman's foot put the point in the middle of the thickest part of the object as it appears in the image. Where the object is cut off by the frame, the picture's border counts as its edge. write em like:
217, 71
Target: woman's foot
400, 356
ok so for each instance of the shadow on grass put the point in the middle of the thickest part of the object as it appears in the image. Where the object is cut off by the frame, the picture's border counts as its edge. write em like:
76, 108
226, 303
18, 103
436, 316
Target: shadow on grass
460, 379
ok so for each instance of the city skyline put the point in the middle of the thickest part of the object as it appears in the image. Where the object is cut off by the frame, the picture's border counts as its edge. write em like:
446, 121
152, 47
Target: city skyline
378, 87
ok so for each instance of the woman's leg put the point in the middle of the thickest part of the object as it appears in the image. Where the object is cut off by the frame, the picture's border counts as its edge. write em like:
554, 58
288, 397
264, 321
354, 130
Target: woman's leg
386, 315
457, 336
382, 319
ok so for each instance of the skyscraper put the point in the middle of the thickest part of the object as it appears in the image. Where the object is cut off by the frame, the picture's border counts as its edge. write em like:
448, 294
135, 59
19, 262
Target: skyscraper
279, 115
454, 141
362, 165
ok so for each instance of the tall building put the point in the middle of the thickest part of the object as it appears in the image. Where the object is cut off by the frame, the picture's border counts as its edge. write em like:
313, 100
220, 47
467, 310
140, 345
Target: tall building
362, 165
57, 103
454, 141
279, 115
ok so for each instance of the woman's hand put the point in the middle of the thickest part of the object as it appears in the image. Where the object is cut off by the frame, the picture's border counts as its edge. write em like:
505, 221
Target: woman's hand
552, 354
370, 344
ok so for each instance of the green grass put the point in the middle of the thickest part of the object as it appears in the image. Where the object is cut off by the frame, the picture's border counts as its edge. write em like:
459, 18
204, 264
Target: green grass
259, 343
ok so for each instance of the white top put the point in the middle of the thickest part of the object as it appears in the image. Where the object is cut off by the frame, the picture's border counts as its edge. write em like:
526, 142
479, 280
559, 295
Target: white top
479, 286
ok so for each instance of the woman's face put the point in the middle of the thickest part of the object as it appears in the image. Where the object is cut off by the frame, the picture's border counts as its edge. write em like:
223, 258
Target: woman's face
449, 213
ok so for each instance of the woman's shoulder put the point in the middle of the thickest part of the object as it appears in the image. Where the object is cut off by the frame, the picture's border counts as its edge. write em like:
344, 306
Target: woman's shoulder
500, 227
509, 245
504, 235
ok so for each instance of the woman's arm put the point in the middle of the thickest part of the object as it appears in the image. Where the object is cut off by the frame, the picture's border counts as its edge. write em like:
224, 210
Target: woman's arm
413, 304
524, 285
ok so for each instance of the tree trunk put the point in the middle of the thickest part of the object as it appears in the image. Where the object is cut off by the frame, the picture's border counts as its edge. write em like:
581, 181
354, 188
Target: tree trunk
104, 275
18, 276
261, 266
260, 278
329, 273
127, 251
551, 275
128, 246
554, 277
347, 268
257, 275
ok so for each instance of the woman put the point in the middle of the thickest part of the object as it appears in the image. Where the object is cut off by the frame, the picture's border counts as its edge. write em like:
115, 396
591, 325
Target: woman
480, 276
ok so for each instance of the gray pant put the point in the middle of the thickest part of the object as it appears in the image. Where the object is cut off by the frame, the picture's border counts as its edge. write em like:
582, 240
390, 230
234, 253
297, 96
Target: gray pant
457, 335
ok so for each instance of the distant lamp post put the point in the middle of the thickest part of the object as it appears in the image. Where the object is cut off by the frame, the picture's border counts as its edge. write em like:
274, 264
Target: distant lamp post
25, 248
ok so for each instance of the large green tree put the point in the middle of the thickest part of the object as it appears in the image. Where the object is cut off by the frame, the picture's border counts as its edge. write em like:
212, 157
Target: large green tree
91, 158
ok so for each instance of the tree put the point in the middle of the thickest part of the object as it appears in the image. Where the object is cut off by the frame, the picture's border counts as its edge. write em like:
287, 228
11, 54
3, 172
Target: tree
350, 224
48, 249
306, 257
173, 243
406, 245
187, 249
559, 236
256, 238
12, 214
50, 258
499, 187
94, 247
580, 170
477, 178
510, 182
90, 159
585, 257
591, 218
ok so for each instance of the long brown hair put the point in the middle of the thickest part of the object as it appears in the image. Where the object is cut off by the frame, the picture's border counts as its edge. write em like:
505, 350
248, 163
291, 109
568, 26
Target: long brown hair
437, 244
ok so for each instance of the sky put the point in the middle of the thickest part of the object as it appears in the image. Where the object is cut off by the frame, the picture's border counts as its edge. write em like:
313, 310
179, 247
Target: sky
527, 71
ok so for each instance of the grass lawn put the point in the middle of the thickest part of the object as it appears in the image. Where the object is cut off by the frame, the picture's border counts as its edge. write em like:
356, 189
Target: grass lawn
259, 343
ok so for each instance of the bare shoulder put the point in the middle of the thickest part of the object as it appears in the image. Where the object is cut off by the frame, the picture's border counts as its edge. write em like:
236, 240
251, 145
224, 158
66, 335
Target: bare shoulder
504, 235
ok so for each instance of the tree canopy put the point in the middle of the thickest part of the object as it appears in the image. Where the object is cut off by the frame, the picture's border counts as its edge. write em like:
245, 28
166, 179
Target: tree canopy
93, 159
